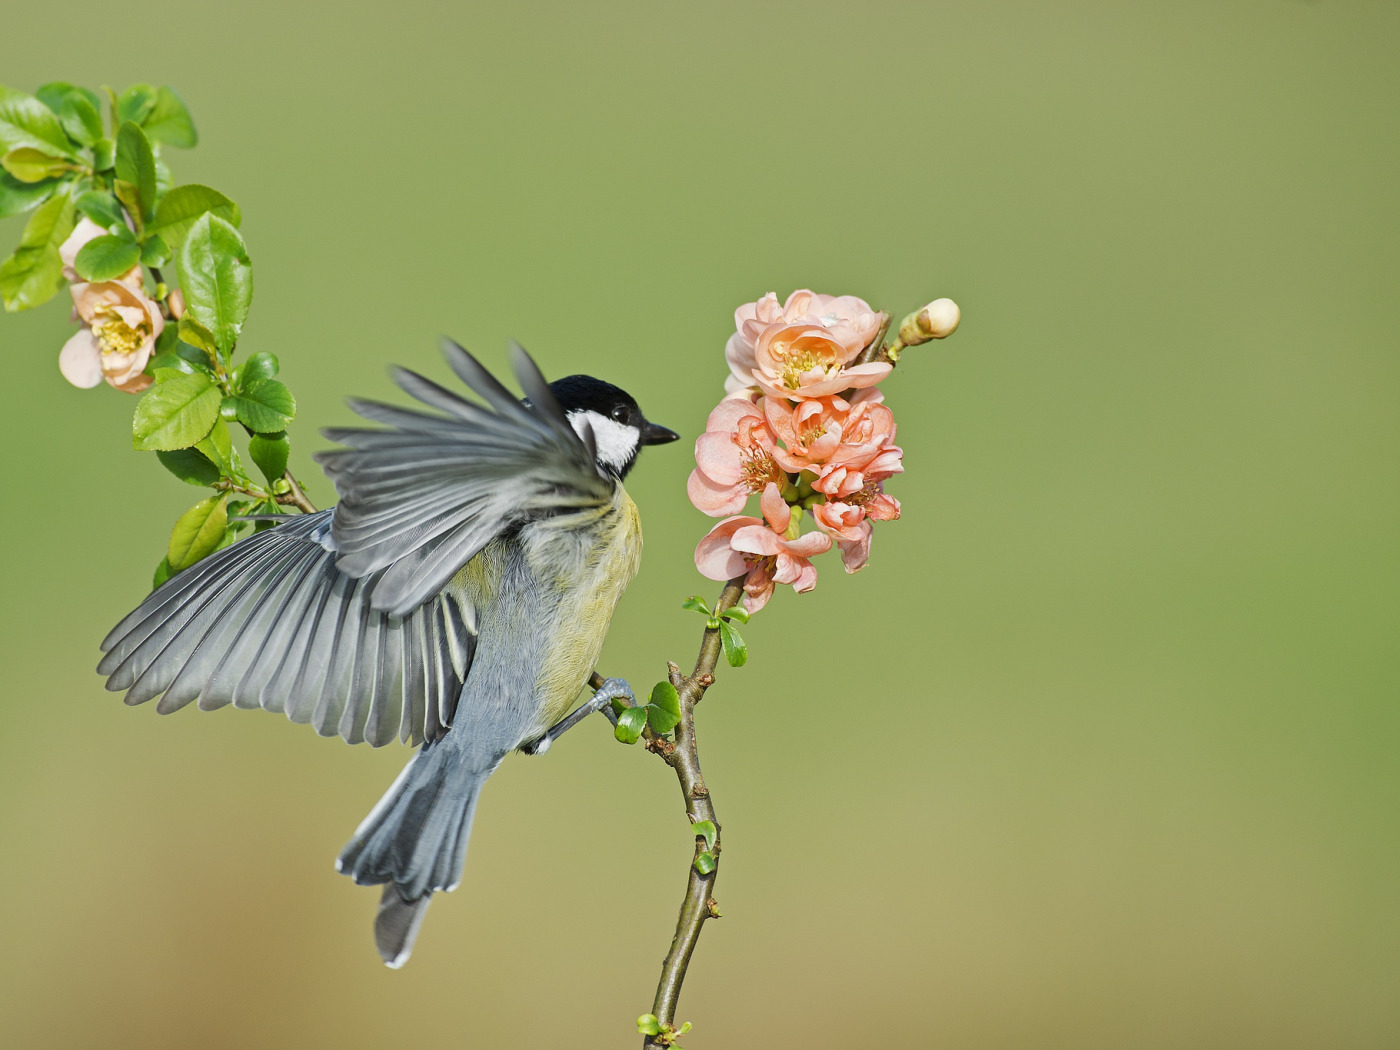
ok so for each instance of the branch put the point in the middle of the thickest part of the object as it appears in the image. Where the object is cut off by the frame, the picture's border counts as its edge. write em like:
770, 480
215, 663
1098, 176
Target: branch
684, 758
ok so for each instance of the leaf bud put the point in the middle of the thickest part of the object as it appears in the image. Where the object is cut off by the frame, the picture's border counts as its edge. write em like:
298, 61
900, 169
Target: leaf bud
938, 320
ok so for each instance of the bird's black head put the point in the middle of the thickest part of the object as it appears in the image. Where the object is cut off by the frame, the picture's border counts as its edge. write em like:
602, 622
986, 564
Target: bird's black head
619, 428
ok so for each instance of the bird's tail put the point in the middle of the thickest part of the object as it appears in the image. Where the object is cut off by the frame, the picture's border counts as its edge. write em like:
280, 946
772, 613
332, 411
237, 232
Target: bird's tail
414, 842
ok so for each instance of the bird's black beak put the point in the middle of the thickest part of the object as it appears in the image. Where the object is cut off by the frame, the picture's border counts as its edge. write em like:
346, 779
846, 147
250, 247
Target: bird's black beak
655, 434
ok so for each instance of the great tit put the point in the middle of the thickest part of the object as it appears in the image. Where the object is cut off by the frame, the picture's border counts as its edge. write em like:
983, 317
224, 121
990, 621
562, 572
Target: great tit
457, 596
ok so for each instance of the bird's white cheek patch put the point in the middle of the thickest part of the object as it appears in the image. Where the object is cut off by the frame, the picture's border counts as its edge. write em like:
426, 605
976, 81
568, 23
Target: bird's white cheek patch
617, 442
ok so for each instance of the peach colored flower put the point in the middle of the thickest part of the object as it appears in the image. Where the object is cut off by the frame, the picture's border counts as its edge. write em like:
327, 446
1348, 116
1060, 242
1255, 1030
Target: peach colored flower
120, 326
734, 457
85, 231
809, 360
846, 524
762, 550
850, 322
867, 454
818, 430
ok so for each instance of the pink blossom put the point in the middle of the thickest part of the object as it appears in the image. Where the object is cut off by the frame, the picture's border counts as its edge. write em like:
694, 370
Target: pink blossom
762, 550
848, 322
818, 430
846, 524
120, 326
734, 457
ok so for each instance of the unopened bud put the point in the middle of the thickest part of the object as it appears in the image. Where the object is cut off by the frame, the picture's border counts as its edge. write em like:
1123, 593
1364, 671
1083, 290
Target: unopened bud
938, 320
176, 302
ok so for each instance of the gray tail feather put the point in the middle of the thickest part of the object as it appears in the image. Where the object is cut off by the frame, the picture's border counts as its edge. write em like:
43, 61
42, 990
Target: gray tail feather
414, 840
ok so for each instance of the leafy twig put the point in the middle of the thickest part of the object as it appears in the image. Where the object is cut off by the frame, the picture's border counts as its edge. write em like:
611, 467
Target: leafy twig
684, 758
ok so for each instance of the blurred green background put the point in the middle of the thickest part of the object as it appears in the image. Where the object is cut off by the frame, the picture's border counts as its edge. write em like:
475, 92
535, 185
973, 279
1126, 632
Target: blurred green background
1100, 751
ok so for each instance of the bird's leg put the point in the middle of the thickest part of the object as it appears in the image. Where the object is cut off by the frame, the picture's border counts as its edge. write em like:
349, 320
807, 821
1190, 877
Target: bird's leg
611, 689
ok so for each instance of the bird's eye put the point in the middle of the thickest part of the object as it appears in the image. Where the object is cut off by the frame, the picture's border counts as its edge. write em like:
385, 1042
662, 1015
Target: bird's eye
620, 413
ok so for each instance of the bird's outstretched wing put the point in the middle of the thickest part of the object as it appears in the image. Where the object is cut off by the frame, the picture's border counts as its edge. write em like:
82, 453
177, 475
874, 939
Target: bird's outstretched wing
347, 618
420, 500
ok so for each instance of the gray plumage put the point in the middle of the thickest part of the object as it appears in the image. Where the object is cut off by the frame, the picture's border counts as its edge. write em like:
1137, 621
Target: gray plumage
458, 596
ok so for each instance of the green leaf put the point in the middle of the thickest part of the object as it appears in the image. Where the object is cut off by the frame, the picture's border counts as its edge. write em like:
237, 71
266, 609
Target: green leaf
705, 862
217, 446
34, 272
664, 707
737, 612
190, 465
647, 1024
28, 164
136, 165
180, 208
696, 605
195, 334
264, 405
25, 121
630, 725
176, 413
101, 207
136, 103
735, 651
217, 279
198, 532
163, 572
80, 119
106, 258
270, 452
260, 366
104, 154
17, 197
169, 120
154, 252
56, 92
706, 829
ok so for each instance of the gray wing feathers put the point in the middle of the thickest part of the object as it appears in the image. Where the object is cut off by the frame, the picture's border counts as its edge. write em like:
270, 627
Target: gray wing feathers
270, 622
420, 500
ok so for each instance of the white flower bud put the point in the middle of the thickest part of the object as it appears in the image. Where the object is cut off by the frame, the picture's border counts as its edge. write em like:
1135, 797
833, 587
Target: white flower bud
939, 319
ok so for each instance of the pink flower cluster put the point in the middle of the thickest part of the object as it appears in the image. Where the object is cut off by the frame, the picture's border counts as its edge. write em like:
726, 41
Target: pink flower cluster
805, 428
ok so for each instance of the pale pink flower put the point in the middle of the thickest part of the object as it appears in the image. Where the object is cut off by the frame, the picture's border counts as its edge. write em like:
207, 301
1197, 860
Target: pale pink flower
85, 231
846, 524
850, 322
867, 454
809, 360
120, 326
734, 457
761, 550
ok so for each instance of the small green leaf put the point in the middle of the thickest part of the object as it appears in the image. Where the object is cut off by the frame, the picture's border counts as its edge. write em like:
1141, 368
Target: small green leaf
130, 197
265, 406
106, 258
198, 532
705, 862
101, 207
706, 829
696, 604
56, 92
17, 197
630, 724
736, 612
80, 118
189, 466
25, 121
647, 1024
136, 103
179, 209
175, 414
217, 446
260, 366
154, 252
34, 272
169, 120
104, 155
664, 707
217, 279
28, 164
163, 572
136, 164
270, 453
195, 334
735, 651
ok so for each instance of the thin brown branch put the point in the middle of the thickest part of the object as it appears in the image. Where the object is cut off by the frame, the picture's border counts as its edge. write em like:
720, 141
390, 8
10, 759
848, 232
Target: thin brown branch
684, 757
296, 495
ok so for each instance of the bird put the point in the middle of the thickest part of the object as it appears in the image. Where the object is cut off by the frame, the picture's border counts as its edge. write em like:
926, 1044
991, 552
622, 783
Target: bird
456, 597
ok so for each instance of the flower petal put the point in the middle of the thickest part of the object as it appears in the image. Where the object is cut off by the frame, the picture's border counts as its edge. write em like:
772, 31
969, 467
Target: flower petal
714, 499
80, 360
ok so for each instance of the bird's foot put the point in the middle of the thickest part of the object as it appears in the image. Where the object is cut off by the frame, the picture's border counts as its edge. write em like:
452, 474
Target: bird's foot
611, 689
